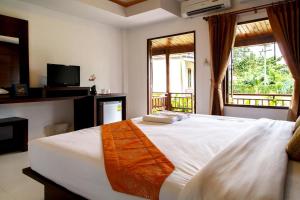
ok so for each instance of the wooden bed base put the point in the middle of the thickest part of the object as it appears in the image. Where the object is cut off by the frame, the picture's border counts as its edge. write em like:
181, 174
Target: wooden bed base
52, 190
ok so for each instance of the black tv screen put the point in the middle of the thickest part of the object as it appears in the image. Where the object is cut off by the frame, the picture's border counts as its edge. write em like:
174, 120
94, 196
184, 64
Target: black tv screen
62, 75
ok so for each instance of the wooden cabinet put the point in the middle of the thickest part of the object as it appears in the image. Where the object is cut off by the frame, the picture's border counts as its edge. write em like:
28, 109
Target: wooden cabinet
13, 134
88, 111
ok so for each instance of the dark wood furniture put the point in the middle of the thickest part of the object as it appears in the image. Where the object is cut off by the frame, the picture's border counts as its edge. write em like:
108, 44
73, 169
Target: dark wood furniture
52, 190
16, 28
49, 94
88, 110
36, 99
9, 63
18, 141
66, 91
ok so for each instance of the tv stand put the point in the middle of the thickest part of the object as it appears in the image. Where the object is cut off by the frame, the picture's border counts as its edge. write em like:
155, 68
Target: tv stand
66, 91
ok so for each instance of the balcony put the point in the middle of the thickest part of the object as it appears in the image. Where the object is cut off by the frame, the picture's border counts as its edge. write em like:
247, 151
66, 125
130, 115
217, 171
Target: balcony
177, 102
262, 100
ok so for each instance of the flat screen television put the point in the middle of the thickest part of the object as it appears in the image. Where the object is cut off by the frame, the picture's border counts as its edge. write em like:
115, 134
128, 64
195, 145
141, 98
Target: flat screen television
63, 75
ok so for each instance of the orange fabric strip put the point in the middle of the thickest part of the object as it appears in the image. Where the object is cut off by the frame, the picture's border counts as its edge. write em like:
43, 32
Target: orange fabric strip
133, 164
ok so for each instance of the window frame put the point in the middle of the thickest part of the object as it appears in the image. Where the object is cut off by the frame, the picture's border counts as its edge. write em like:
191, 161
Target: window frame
149, 68
189, 71
225, 83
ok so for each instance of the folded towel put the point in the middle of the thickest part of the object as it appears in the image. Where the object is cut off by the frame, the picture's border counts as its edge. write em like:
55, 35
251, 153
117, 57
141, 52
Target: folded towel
160, 119
180, 116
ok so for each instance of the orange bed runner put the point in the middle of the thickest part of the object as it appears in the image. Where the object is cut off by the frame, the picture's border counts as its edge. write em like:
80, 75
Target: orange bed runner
132, 163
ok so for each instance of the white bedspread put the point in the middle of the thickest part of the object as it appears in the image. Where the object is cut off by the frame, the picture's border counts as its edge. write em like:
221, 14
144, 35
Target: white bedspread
253, 167
75, 160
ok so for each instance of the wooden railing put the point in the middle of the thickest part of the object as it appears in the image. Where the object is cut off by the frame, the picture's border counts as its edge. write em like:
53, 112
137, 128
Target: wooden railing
268, 100
159, 102
178, 102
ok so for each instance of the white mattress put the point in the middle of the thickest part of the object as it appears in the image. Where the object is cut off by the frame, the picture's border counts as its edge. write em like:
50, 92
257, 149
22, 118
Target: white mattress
75, 160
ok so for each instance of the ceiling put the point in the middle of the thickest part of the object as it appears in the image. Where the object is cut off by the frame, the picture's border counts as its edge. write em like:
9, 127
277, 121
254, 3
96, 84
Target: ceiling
119, 13
127, 3
252, 33
173, 44
186, 39
108, 12
254, 28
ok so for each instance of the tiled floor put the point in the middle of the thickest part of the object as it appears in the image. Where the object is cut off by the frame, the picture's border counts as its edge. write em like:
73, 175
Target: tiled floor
13, 184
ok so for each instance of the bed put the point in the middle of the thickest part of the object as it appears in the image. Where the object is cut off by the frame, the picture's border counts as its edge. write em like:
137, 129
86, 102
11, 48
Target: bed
75, 162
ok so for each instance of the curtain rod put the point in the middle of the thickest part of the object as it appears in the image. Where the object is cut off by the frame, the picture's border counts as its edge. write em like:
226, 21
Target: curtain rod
255, 9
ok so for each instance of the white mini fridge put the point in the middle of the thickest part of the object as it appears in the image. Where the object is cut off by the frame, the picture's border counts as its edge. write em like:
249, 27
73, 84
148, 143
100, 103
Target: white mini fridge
112, 111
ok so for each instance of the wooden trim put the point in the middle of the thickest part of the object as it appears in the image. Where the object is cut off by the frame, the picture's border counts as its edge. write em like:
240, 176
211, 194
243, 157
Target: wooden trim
253, 20
259, 39
149, 67
176, 34
251, 106
51, 189
168, 80
127, 4
149, 77
173, 49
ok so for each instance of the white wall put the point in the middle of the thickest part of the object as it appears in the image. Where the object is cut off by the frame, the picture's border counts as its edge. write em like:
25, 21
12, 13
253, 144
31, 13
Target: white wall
137, 64
58, 38
40, 114
137, 61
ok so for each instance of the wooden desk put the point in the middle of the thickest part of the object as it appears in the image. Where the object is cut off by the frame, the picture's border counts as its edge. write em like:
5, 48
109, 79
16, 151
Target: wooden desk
86, 107
36, 99
49, 94
87, 112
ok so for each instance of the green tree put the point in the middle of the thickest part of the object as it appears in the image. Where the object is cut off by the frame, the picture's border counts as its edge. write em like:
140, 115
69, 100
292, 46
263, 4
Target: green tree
253, 74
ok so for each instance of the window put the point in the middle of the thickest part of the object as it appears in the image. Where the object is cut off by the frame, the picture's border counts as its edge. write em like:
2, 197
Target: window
181, 65
257, 74
159, 73
171, 73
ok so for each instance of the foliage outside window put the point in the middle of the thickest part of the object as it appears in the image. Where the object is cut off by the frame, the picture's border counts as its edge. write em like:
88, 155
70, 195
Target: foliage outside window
258, 76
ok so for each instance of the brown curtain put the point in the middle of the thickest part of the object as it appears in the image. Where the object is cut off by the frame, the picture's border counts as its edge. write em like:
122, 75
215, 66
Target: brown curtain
222, 34
285, 22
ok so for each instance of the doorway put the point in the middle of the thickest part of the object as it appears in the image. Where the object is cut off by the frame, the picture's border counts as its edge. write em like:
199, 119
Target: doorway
171, 73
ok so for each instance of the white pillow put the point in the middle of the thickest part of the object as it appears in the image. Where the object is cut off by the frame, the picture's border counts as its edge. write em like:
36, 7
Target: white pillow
160, 119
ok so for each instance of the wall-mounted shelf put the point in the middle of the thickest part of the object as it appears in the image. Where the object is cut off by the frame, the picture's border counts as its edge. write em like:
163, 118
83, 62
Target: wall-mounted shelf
49, 94
36, 99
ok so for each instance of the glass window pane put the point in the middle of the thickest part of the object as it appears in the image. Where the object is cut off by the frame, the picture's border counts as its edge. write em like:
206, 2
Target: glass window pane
259, 76
182, 73
159, 73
